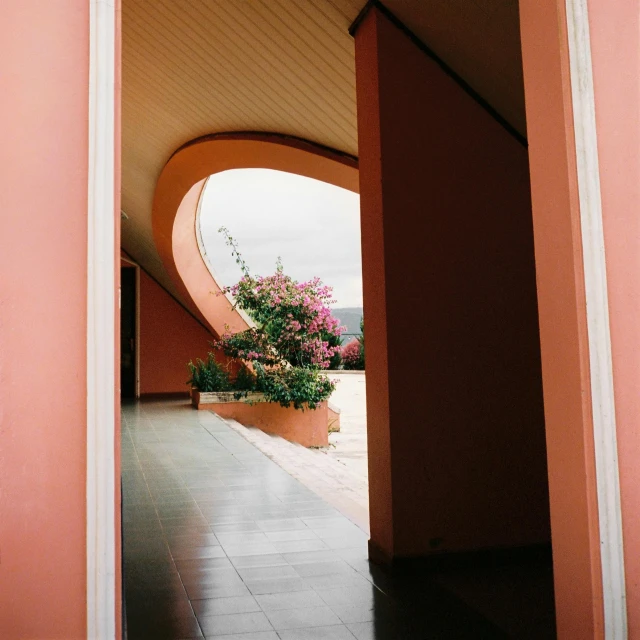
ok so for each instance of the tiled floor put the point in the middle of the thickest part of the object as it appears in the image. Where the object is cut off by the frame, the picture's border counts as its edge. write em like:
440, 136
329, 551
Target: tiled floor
220, 542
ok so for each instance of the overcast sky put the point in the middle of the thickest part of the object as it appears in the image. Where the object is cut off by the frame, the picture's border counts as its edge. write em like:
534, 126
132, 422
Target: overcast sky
313, 226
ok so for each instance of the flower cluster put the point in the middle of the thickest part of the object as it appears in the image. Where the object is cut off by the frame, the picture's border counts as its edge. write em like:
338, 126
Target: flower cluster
293, 321
353, 355
294, 337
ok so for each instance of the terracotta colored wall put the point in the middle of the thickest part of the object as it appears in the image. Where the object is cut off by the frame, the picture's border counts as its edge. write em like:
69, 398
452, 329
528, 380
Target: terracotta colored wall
563, 330
308, 428
616, 72
449, 277
169, 338
43, 248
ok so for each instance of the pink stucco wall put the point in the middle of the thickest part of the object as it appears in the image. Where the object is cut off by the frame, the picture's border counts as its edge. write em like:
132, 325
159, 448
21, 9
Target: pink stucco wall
169, 338
616, 70
43, 250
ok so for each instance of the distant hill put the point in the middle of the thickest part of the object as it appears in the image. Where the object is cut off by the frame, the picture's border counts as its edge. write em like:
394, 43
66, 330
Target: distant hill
349, 317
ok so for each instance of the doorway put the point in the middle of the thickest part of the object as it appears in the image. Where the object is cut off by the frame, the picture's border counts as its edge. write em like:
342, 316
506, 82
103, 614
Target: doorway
128, 360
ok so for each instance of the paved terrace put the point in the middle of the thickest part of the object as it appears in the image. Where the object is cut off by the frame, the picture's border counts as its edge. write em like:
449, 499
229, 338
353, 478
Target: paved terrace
221, 542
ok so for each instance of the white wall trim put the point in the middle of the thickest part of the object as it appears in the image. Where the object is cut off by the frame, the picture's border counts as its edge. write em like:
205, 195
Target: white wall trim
595, 275
101, 303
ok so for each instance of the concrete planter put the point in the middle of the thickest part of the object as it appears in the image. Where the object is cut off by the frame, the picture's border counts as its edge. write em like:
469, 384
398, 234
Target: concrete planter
199, 398
309, 428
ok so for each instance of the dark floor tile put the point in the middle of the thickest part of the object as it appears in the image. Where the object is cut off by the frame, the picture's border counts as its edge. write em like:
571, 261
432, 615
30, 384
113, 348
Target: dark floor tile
197, 591
210, 577
162, 628
194, 540
193, 553
195, 565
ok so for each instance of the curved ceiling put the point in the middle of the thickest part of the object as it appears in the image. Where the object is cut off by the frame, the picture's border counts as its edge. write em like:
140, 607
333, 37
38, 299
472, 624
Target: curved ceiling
196, 67
177, 200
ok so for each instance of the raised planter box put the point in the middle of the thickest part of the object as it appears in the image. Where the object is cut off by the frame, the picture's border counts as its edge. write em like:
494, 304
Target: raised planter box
309, 428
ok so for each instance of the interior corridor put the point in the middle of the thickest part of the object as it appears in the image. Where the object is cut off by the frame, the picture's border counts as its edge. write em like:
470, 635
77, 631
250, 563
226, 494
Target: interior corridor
221, 542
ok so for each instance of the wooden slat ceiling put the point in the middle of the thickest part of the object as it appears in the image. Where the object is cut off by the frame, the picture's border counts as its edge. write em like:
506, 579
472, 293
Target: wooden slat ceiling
195, 67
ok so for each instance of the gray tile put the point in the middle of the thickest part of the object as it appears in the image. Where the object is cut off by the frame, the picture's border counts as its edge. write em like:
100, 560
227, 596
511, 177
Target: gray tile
301, 618
250, 574
339, 632
277, 585
296, 534
225, 606
259, 635
236, 623
323, 568
291, 546
266, 560
289, 600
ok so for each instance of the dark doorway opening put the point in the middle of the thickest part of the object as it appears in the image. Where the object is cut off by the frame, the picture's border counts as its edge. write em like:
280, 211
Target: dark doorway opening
128, 333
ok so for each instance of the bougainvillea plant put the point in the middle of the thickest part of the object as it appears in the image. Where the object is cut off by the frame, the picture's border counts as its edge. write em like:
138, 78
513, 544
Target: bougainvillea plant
353, 352
352, 357
294, 332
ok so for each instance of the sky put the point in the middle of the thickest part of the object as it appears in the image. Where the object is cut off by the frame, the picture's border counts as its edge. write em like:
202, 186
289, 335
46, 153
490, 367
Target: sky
313, 226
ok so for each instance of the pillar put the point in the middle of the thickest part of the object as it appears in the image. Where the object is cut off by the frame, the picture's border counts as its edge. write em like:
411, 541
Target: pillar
45, 583
454, 389
43, 261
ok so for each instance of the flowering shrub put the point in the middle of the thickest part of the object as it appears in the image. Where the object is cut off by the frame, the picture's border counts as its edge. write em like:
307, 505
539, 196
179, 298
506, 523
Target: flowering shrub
294, 386
352, 355
294, 337
294, 321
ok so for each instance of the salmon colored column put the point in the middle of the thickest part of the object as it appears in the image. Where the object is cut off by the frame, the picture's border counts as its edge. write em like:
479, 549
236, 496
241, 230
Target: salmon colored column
616, 71
43, 324
563, 324
457, 459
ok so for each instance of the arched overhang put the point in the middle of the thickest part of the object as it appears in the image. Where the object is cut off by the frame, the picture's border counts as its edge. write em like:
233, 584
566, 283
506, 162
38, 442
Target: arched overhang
179, 189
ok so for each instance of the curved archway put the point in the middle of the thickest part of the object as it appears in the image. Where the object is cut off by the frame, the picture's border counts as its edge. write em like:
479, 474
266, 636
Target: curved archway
179, 190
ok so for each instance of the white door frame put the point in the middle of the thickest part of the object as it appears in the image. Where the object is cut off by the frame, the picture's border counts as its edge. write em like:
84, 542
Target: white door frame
101, 315
599, 335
